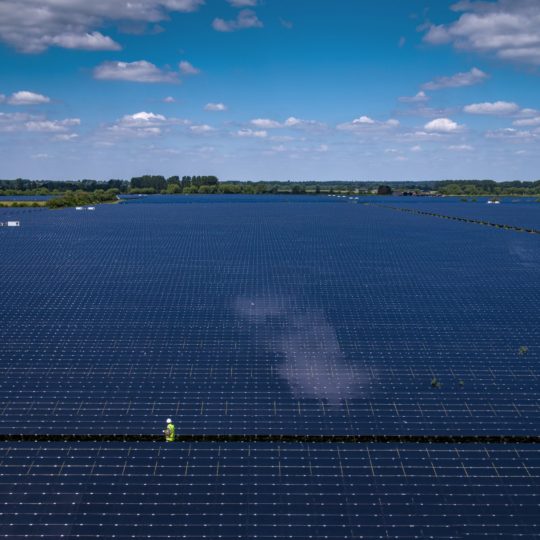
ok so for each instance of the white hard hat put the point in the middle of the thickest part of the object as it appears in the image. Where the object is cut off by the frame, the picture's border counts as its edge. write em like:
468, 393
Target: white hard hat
169, 420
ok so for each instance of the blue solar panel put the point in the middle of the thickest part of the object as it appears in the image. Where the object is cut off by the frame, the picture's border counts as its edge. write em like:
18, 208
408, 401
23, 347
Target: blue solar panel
268, 315
269, 491
515, 212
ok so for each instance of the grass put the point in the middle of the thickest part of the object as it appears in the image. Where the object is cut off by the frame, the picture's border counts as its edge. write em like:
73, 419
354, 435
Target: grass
22, 204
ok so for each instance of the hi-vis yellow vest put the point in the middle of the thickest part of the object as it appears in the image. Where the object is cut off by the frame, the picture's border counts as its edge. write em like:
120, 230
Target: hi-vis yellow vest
170, 436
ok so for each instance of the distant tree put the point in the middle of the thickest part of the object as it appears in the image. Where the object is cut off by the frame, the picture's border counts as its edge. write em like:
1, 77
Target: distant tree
384, 190
173, 189
147, 181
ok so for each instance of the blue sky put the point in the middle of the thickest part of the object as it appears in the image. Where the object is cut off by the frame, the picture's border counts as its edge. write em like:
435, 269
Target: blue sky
270, 89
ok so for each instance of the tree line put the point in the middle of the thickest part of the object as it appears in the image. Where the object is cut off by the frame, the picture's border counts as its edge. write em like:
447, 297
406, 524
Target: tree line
84, 198
153, 184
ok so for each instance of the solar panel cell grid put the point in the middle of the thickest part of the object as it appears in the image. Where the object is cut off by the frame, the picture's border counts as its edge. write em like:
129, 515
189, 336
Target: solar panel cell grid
269, 491
267, 316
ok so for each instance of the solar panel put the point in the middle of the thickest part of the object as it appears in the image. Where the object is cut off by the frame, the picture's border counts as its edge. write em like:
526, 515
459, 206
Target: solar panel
523, 212
269, 491
267, 315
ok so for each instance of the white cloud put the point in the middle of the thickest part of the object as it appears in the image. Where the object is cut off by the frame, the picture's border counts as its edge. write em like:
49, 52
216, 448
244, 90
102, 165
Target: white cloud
467, 78
186, 68
527, 122
366, 123
507, 29
443, 125
66, 137
511, 133
291, 122
142, 118
496, 108
34, 25
140, 71
143, 124
168, 99
94, 41
242, 3
416, 148
258, 134
299, 123
215, 107
24, 97
461, 148
245, 19
364, 120
201, 129
524, 113
420, 97
2, 98
52, 126
266, 123
427, 112
16, 122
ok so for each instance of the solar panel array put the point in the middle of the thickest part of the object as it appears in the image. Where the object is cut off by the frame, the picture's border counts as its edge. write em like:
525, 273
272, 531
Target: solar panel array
269, 491
263, 315
515, 212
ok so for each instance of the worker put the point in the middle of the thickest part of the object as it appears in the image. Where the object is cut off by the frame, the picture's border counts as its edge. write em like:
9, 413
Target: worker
169, 431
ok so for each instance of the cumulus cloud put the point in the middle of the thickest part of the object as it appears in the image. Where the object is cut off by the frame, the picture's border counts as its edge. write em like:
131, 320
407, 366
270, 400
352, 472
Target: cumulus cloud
496, 108
461, 148
246, 18
365, 123
143, 124
506, 29
34, 25
266, 123
511, 133
94, 41
201, 129
467, 78
168, 99
299, 123
525, 122
428, 112
24, 97
291, 122
257, 134
420, 97
14, 122
66, 137
186, 68
443, 125
215, 107
52, 126
140, 71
